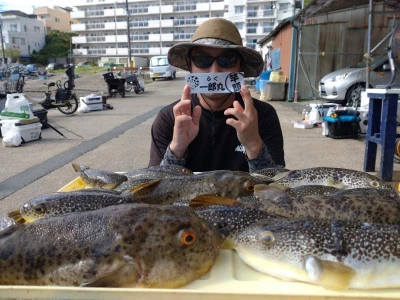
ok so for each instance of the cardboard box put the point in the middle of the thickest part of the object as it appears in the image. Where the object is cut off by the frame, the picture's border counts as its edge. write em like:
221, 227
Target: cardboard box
29, 131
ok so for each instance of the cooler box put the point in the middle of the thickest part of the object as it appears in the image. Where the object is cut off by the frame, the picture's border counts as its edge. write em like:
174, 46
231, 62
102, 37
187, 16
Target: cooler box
29, 130
342, 126
92, 102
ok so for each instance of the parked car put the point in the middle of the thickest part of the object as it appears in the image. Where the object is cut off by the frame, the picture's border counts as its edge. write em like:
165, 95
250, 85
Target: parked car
54, 66
160, 68
344, 86
84, 64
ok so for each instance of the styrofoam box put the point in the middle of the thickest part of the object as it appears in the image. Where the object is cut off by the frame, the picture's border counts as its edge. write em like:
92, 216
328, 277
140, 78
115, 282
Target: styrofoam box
28, 132
229, 279
93, 103
92, 99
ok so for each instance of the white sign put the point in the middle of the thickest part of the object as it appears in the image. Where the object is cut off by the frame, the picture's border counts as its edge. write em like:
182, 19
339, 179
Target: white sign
215, 82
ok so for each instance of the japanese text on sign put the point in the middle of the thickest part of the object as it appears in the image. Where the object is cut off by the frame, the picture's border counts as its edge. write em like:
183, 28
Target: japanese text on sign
215, 82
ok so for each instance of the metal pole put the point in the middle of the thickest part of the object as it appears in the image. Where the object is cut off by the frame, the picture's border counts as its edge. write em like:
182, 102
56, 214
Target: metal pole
129, 34
115, 22
368, 58
160, 32
2, 42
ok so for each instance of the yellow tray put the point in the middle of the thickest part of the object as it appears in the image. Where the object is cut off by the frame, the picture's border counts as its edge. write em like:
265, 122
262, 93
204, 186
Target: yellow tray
228, 279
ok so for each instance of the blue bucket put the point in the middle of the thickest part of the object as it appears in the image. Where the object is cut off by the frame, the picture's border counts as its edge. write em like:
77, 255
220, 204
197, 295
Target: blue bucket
265, 75
262, 84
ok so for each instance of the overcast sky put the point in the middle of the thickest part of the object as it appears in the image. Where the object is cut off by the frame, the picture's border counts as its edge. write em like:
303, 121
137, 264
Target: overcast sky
27, 6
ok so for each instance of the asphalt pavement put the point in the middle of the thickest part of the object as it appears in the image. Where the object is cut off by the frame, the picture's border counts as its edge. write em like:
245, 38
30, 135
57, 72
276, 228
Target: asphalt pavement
118, 139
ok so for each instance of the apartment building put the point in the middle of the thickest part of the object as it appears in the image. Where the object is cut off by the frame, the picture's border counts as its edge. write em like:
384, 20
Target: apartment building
22, 31
154, 26
57, 18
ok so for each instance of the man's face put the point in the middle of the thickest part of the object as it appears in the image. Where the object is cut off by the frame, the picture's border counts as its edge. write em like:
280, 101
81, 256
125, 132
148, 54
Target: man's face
212, 60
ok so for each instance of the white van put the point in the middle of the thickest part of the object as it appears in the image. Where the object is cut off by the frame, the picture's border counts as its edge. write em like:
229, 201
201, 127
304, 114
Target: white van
160, 68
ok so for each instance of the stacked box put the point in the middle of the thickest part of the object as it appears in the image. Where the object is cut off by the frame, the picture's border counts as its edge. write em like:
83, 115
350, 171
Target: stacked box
92, 102
29, 130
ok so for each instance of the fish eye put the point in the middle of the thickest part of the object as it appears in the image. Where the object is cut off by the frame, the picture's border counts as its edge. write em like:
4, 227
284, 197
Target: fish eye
186, 237
39, 209
374, 184
267, 238
249, 186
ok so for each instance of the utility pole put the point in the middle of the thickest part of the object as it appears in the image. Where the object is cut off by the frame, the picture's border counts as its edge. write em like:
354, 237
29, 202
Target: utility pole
2, 43
160, 31
129, 35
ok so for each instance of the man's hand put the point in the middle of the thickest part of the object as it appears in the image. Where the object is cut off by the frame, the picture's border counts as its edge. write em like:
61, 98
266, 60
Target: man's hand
246, 124
186, 125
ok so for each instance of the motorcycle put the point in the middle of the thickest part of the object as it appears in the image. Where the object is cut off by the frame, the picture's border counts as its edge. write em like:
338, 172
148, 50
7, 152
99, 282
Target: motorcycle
65, 99
134, 82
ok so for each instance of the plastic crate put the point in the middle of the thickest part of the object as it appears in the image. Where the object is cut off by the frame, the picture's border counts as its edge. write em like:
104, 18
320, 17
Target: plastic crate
42, 115
109, 75
344, 130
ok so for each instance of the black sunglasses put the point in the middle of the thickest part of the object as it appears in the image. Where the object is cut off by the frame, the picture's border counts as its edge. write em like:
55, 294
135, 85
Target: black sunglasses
204, 61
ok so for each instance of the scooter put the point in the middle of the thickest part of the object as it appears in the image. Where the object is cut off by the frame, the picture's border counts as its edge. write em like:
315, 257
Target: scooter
65, 99
135, 82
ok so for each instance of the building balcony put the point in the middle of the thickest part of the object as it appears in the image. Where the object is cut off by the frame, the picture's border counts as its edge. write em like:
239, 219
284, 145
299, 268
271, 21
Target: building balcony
80, 51
77, 14
111, 12
165, 9
154, 51
118, 25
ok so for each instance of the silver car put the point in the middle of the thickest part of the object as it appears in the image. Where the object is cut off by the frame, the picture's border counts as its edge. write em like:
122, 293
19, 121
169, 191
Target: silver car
344, 86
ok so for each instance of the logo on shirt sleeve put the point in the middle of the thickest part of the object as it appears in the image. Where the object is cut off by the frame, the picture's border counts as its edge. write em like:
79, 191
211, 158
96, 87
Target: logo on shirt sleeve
240, 148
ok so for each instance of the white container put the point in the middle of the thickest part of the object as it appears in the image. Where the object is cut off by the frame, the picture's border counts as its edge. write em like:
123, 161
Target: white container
29, 132
364, 121
92, 102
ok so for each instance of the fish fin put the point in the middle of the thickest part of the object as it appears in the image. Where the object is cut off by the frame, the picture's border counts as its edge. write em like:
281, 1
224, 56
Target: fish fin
76, 167
16, 216
206, 200
329, 274
279, 186
268, 192
281, 175
124, 274
145, 188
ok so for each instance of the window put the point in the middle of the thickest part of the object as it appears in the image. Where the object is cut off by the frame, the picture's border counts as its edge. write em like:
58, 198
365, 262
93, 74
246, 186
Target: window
284, 6
13, 27
239, 9
251, 28
239, 25
268, 26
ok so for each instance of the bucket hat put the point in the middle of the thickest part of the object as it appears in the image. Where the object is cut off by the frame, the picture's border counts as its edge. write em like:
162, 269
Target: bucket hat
217, 33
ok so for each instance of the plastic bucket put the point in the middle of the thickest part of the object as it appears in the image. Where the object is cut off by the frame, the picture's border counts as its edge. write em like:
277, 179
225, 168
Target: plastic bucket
266, 75
274, 76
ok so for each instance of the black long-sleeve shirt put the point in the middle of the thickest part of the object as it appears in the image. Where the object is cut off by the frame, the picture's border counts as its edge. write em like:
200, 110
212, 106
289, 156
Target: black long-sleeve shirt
216, 147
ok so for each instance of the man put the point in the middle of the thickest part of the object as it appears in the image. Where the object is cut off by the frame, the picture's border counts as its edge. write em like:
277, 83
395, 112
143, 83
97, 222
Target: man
217, 131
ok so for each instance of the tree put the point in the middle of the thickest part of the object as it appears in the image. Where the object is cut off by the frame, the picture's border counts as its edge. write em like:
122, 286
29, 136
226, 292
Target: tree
12, 53
57, 45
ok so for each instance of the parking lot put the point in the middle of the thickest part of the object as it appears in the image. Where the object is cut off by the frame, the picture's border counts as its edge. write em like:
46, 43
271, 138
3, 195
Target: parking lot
118, 139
